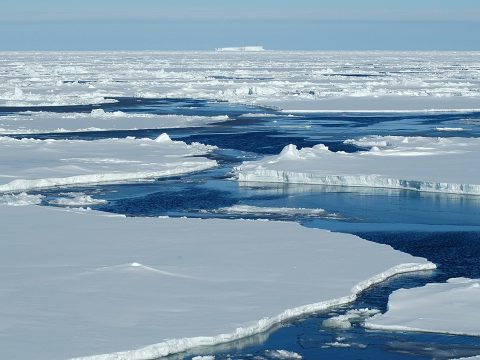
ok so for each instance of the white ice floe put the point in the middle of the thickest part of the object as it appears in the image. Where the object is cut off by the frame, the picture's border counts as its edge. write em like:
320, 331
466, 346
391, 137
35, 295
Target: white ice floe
205, 357
97, 120
283, 354
76, 199
86, 283
284, 211
450, 307
315, 81
449, 129
345, 321
31, 164
21, 199
445, 165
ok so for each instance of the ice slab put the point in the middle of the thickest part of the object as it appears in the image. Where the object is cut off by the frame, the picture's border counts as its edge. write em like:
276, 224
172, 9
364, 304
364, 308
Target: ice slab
445, 165
89, 283
97, 120
31, 164
451, 307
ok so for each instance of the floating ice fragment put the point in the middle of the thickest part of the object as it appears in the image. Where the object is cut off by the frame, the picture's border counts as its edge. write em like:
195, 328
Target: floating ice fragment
345, 321
21, 199
283, 354
449, 129
77, 199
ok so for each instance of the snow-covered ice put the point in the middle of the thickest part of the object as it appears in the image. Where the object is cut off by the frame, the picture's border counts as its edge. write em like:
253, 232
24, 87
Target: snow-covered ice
87, 283
31, 164
445, 165
97, 120
315, 81
450, 307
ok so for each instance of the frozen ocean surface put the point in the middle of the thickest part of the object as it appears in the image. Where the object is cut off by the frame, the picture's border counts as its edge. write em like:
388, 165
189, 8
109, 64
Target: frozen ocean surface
243, 107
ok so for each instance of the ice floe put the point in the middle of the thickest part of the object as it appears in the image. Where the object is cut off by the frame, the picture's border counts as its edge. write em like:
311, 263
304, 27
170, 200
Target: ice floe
173, 283
449, 129
98, 120
32, 164
283, 354
445, 165
76, 199
283, 211
450, 307
345, 321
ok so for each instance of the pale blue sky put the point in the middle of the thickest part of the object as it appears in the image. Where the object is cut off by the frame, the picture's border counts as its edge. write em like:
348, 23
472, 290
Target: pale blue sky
205, 24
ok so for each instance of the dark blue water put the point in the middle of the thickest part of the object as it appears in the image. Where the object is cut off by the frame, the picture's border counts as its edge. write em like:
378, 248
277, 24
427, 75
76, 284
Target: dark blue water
444, 228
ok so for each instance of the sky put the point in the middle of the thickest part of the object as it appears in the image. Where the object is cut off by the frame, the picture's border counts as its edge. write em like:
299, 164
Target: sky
207, 24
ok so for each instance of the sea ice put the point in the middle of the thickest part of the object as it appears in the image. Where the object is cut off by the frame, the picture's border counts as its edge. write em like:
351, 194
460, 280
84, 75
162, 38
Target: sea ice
284, 211
21, 199
450, 307
283, 354
32, 164
315, 81
87, 283
76, 199
345, 321
445, 165
97, 120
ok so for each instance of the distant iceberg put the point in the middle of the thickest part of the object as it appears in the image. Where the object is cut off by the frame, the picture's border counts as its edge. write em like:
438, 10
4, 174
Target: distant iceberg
241, 48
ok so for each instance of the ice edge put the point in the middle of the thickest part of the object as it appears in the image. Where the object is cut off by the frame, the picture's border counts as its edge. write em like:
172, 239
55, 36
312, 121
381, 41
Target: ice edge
20, 185
372, 181
173, 346
371, 326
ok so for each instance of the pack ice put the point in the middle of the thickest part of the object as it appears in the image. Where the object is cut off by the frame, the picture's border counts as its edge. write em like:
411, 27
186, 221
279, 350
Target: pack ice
315, 81
32, 164
83, 283
447, 165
